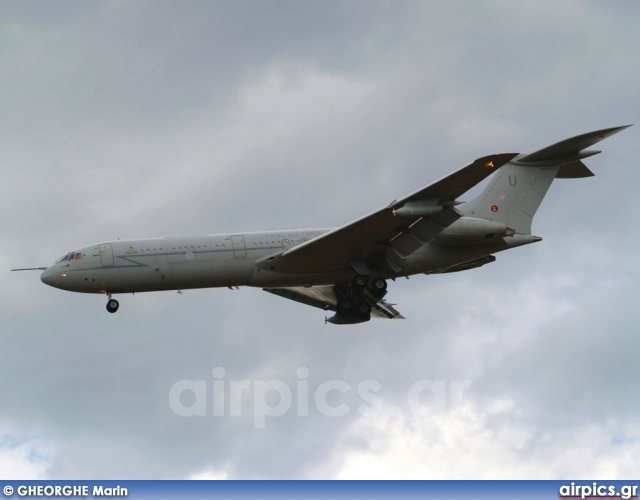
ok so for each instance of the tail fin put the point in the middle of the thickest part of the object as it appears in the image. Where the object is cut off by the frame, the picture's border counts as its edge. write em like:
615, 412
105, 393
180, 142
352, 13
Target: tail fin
517, 189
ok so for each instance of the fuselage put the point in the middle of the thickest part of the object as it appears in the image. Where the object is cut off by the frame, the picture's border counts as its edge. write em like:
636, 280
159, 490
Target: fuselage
222, 260
173, 263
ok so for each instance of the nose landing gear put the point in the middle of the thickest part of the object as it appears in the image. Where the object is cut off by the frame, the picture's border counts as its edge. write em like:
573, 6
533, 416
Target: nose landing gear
112, 305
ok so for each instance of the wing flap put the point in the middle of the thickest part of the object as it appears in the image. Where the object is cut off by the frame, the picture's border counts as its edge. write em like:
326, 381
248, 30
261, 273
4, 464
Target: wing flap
321, 297
324, 297
385, 310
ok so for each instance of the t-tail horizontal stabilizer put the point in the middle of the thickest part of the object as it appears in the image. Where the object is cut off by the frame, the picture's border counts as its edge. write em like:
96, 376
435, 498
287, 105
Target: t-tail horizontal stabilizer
569, 150
515, 193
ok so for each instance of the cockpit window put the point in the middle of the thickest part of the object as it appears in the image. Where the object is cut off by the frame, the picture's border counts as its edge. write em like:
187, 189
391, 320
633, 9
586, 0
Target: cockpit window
69, 257
62, 259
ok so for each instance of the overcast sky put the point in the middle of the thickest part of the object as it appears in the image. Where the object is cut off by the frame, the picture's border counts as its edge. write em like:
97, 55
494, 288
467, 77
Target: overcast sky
129, 119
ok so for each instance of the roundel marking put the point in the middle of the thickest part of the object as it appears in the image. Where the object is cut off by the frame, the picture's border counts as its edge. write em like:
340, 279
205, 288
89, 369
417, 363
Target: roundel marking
494, 208
189, 255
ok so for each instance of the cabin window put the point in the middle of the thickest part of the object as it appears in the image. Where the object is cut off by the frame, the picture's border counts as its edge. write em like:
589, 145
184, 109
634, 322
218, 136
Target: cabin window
78, 256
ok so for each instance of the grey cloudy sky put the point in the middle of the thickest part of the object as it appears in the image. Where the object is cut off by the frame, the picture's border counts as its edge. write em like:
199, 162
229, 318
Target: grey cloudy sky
137, 119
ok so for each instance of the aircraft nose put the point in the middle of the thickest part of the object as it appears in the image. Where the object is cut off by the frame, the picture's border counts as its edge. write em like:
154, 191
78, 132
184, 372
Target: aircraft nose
47, 277
53, 277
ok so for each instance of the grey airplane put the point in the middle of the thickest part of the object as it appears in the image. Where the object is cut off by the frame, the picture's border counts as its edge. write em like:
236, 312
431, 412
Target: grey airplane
345, 269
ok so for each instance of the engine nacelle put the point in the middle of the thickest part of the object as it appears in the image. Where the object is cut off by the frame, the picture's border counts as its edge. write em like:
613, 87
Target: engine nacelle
472, 231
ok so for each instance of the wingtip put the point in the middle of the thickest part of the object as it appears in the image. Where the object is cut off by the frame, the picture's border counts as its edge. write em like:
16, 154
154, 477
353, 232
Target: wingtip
614, 130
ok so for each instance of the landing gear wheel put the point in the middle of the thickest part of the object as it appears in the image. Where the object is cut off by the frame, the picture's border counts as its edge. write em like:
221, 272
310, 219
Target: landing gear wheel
359, 282
364, 308
379, 285
343, 306
112, 305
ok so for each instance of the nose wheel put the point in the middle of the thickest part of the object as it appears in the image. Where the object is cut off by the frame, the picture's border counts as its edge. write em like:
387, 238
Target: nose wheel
112, 305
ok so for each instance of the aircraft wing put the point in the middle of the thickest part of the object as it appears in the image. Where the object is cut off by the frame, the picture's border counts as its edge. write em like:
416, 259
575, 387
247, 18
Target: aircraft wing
384, 238
324, 297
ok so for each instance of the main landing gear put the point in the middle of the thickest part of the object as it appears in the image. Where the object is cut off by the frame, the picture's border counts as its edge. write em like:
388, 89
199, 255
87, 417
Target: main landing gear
112, 305
356, 299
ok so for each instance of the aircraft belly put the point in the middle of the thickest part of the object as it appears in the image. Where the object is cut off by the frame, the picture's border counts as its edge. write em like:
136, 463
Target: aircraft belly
221, 271
133, 279
262, 278
188, 274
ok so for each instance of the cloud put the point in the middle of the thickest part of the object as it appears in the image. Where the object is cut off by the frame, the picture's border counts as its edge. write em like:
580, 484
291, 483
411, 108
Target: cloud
24, 455
466, 444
